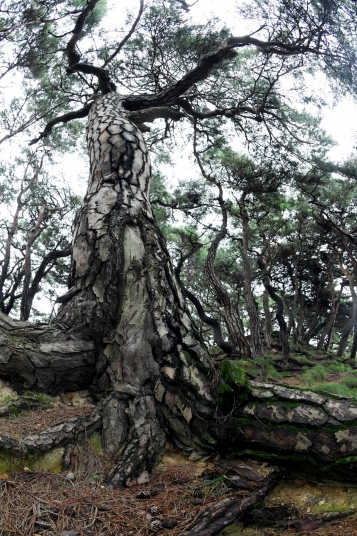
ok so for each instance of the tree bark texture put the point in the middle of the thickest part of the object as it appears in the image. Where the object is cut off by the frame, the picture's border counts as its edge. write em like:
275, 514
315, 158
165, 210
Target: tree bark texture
45, 358
124, 317
279, 311
226, 511
254, 321
268, 327
123, 331
312, 434
232, 318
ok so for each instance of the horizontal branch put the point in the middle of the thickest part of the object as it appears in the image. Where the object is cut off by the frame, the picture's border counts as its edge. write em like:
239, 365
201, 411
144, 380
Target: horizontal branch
76, 114
150, 114
54, 436
201, 71
105, 85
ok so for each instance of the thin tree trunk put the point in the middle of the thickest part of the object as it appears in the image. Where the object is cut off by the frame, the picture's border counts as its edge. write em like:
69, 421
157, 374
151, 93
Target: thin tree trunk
344, 338
354, 342
268, 328
257, 347
232, 318
279, 311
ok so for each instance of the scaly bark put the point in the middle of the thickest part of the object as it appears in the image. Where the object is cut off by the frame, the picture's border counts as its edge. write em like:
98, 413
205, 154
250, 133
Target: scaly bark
123, 330
129, 303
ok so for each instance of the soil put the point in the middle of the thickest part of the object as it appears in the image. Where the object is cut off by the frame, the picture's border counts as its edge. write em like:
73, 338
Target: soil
77, 502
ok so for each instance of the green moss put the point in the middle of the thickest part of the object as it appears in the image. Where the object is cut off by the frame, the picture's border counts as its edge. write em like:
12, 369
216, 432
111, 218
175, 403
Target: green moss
342, 461
52, 461
332, 507
96, 441
222, 390
248, 366
188, 357
12, 461
232, 374
350, 381
202, 368
44, 399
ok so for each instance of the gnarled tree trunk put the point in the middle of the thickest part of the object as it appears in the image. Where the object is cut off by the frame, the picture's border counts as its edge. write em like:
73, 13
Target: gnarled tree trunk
123, 331
122, 327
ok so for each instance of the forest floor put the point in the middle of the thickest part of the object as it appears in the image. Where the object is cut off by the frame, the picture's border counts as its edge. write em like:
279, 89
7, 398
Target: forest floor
37, 502
77, 503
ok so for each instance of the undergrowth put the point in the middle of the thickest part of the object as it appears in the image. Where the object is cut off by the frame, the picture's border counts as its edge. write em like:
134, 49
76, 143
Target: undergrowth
260, 368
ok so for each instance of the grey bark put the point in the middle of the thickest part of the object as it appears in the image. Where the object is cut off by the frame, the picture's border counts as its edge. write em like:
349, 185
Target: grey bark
268, 328
123, 328
257, 347
124, 331
56, 436
232, 318
279, 310
344, 338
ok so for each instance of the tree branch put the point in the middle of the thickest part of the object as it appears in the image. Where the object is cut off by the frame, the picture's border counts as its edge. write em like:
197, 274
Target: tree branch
150, 114
201, 71
76, 114
128, 35
73, 56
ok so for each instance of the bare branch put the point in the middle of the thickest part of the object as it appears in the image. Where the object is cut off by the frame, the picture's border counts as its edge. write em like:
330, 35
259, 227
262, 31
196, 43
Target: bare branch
201, 71
186, 6
150, 114
74, 57
128, 35
76, 114
72, 54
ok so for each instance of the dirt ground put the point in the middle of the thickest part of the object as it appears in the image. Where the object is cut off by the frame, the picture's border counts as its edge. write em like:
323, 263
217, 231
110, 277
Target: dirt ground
77, 502
47, 504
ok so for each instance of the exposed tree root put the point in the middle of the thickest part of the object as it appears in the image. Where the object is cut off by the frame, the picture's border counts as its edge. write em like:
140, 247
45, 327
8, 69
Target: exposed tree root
54, 436
225, 512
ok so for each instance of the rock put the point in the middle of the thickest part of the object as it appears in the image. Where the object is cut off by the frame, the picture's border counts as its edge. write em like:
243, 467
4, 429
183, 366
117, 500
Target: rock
143, 494
156, 525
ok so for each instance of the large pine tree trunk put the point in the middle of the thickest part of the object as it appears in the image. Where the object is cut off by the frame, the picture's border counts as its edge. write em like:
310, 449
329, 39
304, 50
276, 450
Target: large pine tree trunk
128, 300
123, 331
